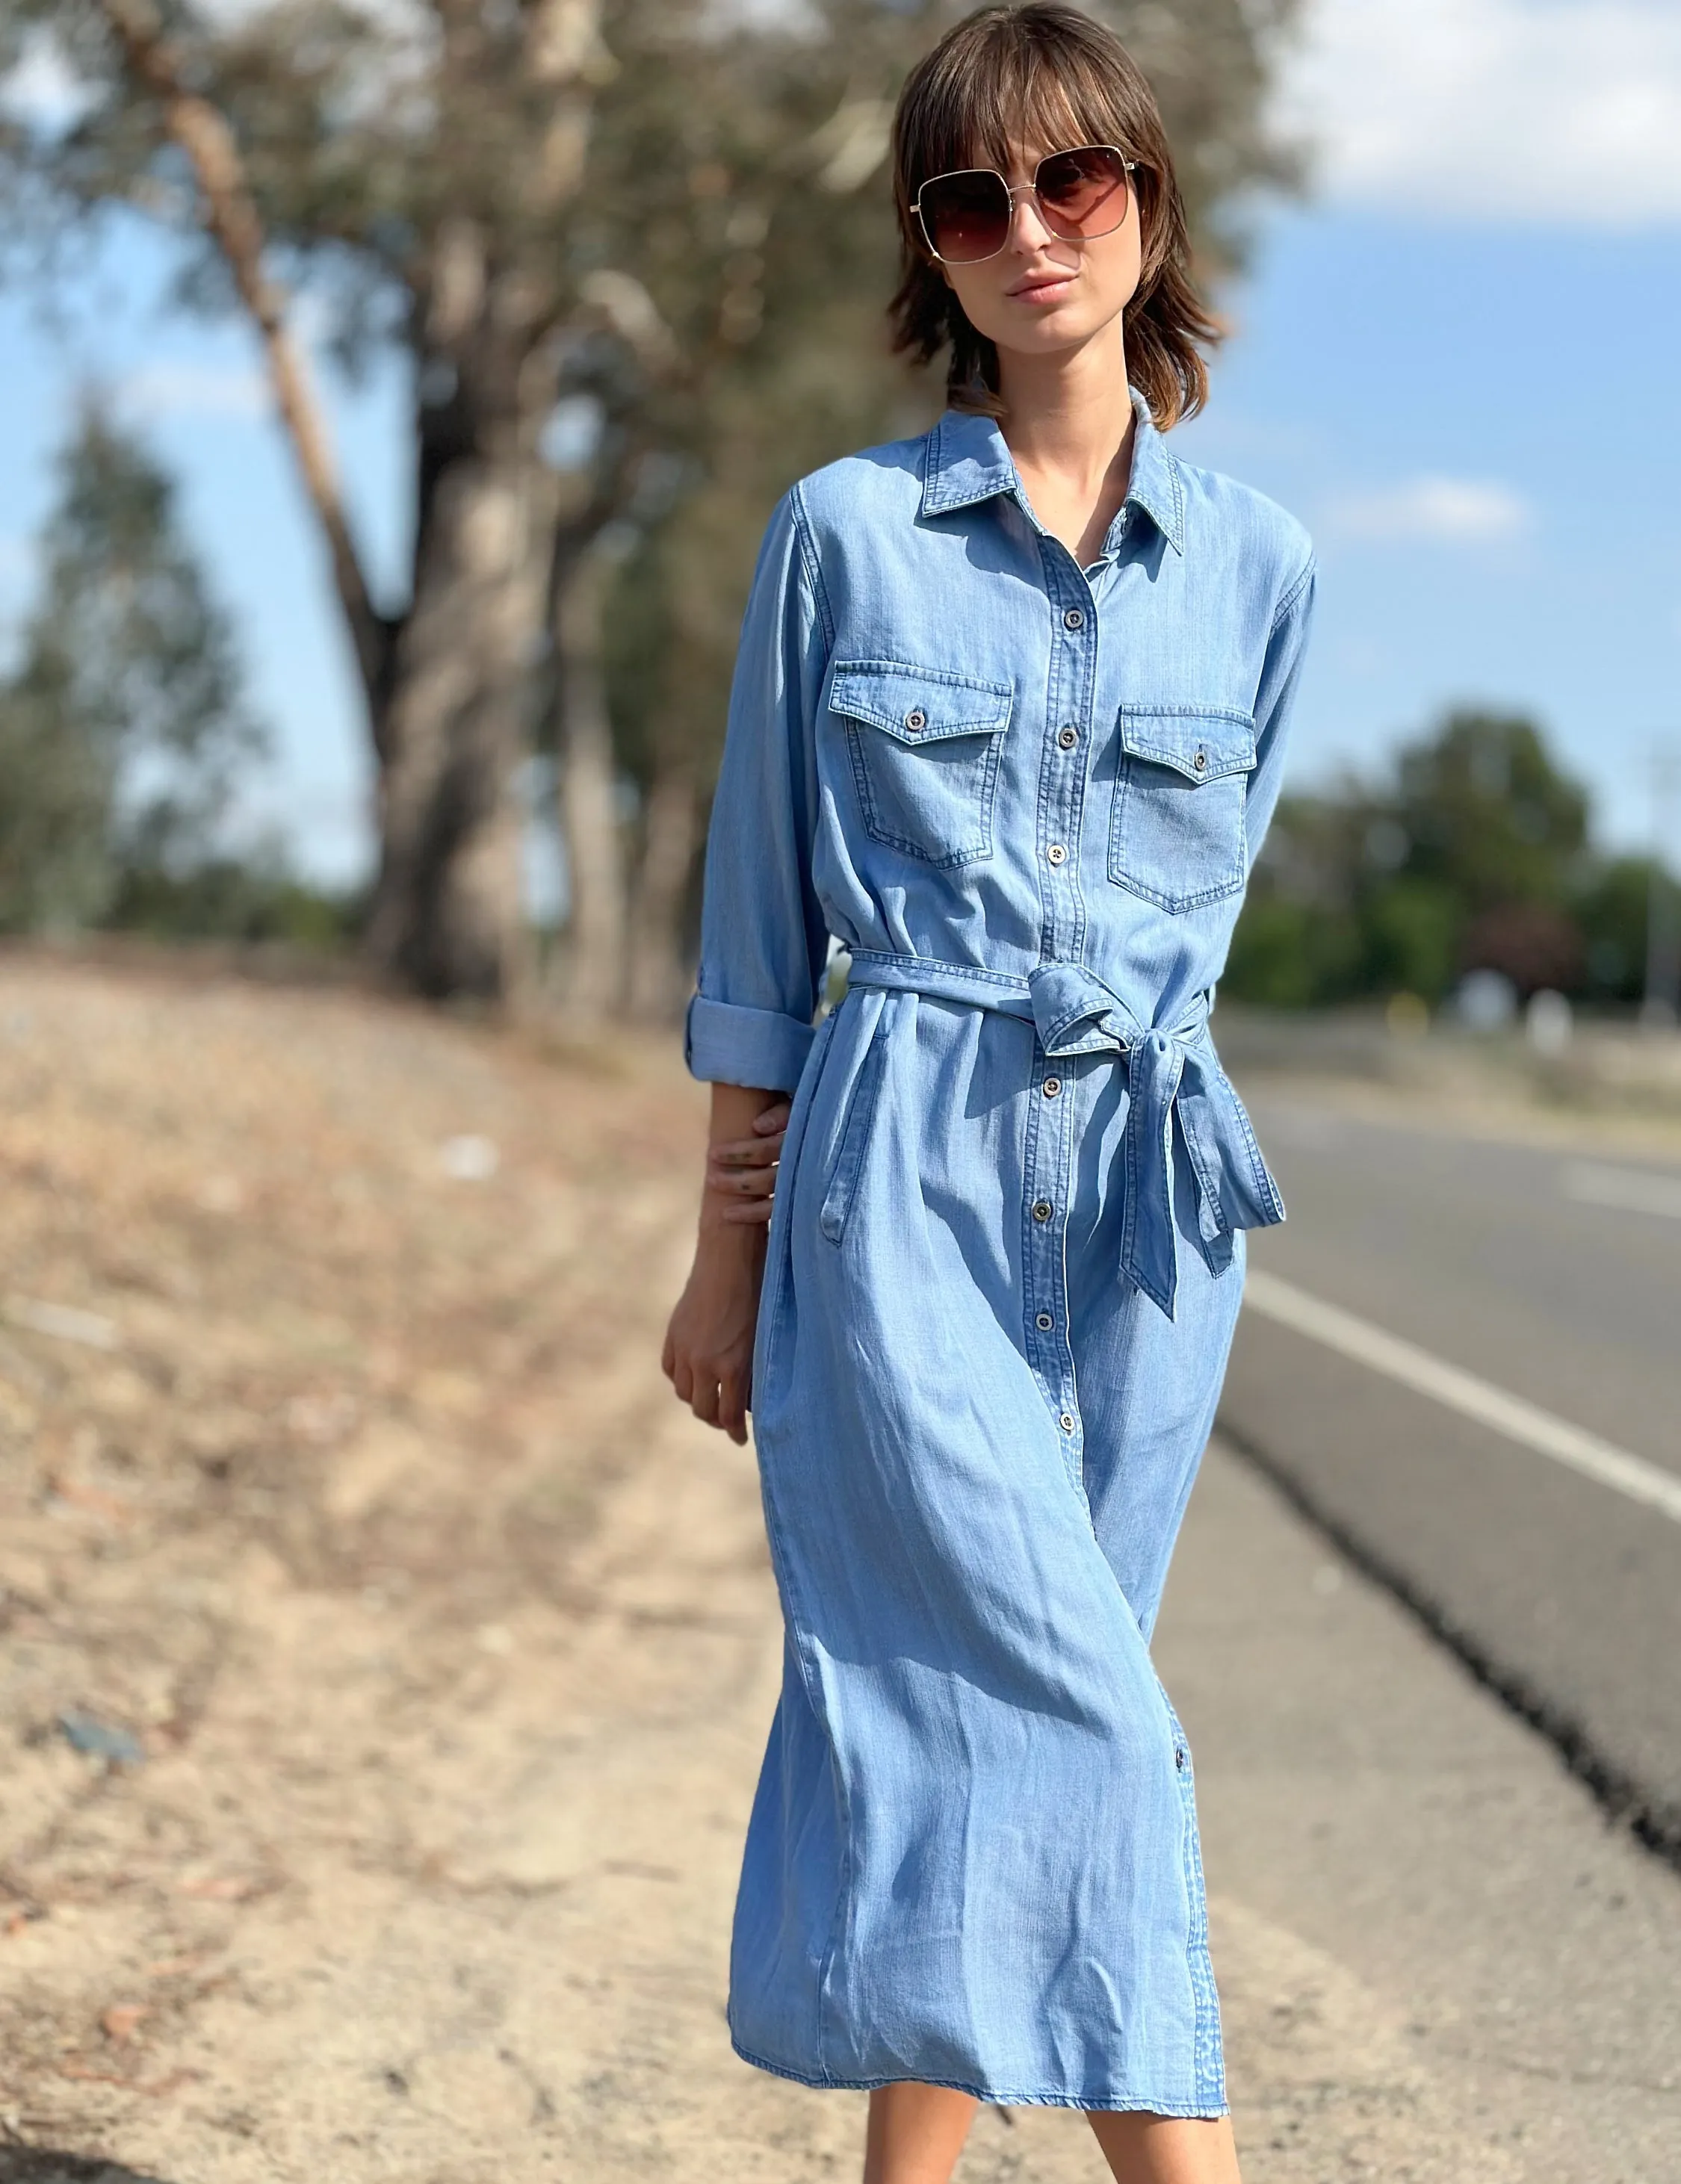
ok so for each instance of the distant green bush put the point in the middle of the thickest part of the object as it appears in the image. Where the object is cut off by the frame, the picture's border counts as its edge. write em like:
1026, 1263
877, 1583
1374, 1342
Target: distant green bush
1475, 852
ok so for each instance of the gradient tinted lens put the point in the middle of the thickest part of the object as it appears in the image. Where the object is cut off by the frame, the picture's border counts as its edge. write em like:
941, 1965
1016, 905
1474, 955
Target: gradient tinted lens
1082, 193
965, 216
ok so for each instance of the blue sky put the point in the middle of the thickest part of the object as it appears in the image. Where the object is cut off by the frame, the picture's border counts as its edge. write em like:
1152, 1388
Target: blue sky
1457, 363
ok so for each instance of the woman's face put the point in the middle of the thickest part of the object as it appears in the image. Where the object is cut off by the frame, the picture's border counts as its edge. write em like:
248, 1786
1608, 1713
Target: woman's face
1041, 294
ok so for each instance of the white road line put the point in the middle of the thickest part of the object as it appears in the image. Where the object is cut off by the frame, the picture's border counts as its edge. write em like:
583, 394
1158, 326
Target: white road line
1473, 1398
1635, 1189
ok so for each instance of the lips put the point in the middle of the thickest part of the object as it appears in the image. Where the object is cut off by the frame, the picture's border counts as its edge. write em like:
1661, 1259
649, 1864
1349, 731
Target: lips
1041, 287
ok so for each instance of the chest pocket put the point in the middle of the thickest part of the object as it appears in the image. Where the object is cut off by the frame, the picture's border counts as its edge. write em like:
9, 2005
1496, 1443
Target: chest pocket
923, 746
1176, 835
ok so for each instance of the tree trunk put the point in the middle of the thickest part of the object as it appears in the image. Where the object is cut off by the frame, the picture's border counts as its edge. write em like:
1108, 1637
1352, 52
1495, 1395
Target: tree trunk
592, 982
660, 973
447, 914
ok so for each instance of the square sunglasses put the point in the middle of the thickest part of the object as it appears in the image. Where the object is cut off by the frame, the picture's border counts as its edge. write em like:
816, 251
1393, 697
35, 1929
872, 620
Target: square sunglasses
965, 216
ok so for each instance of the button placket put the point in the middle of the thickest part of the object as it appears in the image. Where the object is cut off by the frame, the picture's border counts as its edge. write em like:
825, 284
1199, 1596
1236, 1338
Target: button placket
1062, 782
1049, 1168
1051, 1118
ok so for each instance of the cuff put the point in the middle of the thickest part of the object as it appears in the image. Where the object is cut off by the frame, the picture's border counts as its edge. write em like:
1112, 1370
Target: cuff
725, 1044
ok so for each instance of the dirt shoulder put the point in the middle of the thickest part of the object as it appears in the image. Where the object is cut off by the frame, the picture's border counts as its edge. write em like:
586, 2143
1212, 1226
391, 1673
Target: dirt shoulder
350, 1494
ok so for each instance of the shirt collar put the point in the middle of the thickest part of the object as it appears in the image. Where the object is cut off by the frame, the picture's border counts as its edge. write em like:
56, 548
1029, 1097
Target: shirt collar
968, 461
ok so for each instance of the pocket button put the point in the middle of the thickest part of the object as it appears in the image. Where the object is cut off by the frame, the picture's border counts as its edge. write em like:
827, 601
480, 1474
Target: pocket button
1200, 761
916, 719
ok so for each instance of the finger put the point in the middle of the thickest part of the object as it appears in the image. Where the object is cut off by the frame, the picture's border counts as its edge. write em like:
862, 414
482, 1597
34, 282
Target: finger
745, 1152
743, 1182
704, 1401
683, 1379
668, 1355
774, 1118
732, 1413
754, 1212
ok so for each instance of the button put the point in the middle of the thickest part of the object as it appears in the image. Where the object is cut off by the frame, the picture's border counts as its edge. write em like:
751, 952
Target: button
1042, 1209
1066, 1421
1068, 738
1075, 618
1044, 1323
1179, 1755
916, 718
1055, 853
1050, 1087
1201, 762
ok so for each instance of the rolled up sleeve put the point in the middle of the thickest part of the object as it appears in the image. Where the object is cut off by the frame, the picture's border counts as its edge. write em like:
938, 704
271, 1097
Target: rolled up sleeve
764, 941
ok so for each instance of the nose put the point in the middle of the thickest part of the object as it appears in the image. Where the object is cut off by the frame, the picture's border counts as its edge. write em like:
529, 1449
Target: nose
1028, 230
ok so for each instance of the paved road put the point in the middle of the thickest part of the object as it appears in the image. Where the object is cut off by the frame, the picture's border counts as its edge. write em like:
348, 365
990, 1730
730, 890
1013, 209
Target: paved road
1550, 1276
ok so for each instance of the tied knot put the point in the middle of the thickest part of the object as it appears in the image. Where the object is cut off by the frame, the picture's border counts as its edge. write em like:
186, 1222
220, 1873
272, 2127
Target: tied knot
1170, 1071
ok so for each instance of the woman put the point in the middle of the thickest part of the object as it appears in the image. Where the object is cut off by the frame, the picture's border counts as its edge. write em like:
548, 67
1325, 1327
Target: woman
1007, 720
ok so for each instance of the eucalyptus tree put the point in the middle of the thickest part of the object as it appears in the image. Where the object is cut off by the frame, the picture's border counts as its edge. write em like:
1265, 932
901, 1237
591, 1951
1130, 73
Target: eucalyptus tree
124, 725
413, 166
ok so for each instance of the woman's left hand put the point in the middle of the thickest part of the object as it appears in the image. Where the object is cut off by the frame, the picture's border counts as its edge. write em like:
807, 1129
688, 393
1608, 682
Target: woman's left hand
743, 1170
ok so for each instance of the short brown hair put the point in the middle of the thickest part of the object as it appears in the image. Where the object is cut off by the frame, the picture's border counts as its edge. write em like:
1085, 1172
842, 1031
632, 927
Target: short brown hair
1046, 74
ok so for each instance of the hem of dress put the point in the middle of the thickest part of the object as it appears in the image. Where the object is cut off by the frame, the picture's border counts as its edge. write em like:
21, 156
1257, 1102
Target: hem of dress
1090, 2104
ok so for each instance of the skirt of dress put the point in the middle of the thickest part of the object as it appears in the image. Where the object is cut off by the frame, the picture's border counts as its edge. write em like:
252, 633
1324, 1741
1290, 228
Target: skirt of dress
973, 1856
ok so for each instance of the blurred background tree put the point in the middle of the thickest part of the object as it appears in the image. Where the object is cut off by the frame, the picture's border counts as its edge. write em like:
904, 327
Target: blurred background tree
635, 254
125, 732
1474, 854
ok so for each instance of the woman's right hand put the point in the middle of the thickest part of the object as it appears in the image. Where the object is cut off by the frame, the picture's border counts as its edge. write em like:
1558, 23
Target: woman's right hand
742, 1170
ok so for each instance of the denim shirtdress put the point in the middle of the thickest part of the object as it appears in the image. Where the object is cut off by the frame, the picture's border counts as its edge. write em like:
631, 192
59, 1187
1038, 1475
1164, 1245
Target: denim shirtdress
1006, 1249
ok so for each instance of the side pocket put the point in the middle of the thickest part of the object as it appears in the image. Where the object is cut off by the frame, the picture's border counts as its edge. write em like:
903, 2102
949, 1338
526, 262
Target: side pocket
849, 1157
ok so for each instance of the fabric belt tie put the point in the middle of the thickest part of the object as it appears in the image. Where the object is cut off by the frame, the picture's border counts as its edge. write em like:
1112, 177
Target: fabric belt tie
1171, 1070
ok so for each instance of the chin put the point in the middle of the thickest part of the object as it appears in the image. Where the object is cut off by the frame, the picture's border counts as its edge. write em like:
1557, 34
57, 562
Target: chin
1056, 328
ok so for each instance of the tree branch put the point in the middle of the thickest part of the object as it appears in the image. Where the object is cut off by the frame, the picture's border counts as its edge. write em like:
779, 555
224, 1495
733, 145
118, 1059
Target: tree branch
231, 217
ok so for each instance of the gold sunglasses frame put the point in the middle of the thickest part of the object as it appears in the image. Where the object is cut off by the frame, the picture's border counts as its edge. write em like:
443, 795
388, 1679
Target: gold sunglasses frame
1129, 167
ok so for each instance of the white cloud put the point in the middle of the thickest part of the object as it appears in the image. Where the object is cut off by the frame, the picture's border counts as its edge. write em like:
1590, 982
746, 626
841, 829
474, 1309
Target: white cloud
42, 91
1550, 112
1435, 510
193, 390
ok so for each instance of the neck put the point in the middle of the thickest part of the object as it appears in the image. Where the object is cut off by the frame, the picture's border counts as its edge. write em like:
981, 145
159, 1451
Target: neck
1070, 412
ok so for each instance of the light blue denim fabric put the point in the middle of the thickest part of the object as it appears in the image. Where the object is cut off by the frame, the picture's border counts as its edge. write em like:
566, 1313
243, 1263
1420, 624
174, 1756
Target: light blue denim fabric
1006, 1249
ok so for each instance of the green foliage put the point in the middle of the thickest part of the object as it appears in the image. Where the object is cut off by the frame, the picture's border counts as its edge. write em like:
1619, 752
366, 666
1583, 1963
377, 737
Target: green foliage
1476, 852
251, 900
123, 726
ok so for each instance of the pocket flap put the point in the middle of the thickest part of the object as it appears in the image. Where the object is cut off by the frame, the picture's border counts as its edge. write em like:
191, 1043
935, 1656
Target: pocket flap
1201, 743
919, 705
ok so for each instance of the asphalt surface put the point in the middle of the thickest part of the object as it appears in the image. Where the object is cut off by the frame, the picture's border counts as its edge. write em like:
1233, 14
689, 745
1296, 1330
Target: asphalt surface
1438, 1964
1554, 1274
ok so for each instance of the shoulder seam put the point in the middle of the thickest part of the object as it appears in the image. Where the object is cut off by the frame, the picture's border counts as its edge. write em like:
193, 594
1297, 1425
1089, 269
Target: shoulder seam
809, 556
